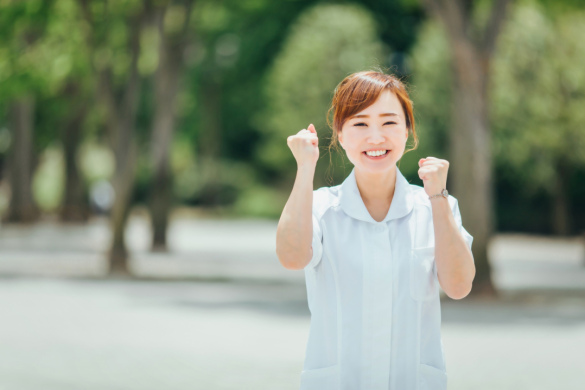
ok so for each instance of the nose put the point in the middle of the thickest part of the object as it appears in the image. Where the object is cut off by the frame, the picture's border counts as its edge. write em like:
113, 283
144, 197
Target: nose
376, 136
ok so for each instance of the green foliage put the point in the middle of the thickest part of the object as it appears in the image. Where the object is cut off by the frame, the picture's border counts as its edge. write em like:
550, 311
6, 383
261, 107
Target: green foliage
431, 91
324, 45
212, 17
539, 95
22, 25
38, 51
49, 180
561, 7
39, 56
260, 201
96, 162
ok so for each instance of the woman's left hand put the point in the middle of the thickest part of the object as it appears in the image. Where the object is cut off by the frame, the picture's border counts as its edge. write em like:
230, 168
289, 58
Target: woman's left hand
433, 173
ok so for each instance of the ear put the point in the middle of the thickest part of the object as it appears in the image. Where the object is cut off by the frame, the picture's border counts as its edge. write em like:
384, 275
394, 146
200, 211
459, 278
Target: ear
340, 138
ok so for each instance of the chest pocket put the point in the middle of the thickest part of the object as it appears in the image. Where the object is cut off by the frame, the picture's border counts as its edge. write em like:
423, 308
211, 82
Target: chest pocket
423, 272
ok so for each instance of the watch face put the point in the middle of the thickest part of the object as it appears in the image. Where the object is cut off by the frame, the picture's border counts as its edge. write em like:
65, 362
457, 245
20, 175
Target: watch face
445, 193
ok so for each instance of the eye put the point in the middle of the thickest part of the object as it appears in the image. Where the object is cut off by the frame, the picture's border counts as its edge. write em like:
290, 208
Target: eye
361, 123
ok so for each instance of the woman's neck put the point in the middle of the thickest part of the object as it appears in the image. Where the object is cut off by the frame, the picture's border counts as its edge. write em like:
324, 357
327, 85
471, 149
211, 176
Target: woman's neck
376, 187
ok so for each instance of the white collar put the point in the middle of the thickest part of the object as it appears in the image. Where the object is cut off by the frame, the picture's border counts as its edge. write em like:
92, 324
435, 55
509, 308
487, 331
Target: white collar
353, 205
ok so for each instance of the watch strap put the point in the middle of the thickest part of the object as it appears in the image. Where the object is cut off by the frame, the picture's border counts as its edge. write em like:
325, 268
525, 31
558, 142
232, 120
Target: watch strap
443, 194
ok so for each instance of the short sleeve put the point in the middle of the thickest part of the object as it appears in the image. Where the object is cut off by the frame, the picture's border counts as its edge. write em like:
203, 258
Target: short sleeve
317, 244
457, 214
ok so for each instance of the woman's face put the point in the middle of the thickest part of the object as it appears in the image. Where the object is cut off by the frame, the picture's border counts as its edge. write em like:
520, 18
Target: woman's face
374, 139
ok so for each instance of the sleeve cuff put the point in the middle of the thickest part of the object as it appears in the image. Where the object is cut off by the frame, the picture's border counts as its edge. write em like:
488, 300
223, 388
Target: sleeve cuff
467, 237
457, 214
316, 244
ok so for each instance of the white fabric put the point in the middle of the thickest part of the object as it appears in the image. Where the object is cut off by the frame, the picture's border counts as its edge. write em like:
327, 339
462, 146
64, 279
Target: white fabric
373, 293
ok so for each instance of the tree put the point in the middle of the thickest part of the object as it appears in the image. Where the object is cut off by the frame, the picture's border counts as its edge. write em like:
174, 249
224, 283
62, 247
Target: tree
172, 25
472, 44
22, 26
113, 36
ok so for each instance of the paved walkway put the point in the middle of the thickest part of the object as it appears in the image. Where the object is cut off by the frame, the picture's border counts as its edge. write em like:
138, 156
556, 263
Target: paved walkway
245, 250
244, 323
100, 334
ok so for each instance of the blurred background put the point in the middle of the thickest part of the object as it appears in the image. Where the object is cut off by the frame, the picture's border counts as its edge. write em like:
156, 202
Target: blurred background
144, 166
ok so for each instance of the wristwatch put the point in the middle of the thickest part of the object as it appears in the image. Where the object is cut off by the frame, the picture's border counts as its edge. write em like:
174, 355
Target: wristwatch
444, 193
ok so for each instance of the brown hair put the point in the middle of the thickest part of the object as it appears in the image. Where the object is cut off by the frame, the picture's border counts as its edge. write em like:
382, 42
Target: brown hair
360, 90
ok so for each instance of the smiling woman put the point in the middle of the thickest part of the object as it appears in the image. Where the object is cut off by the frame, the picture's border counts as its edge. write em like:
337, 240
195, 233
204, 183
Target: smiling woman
374, 249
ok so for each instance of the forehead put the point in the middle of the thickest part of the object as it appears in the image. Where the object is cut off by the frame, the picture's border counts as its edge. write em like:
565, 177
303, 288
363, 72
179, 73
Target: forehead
387, 102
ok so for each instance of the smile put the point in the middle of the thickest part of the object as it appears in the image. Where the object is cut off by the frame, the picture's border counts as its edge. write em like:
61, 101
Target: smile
376, 154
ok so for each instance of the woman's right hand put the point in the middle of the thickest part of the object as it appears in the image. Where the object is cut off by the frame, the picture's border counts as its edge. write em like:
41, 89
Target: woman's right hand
305, 146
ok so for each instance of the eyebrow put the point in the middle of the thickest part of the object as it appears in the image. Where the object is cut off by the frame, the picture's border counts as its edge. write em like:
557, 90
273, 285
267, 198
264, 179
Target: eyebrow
367, 116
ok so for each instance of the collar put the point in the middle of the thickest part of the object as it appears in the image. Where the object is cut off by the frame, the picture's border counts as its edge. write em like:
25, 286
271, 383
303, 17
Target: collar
353, 205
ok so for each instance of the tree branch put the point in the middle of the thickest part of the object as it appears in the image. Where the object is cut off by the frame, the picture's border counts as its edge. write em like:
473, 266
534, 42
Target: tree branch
494, 26
450, 13
129, 100
104, 90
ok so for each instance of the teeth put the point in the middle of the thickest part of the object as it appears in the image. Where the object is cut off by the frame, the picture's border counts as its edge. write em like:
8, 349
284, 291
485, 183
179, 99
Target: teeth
375, 153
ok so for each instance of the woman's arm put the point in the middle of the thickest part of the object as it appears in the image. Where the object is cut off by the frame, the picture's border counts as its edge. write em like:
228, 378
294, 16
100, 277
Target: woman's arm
455, 266
454, 260
295, 228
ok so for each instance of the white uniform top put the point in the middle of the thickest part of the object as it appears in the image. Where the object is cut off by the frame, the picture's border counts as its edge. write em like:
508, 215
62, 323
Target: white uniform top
373, 293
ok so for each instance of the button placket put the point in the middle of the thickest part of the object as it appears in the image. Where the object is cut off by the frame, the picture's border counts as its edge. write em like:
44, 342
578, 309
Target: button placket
377, 315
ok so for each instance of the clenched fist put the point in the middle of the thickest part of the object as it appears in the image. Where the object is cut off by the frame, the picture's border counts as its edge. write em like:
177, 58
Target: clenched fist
305, 146
433, 173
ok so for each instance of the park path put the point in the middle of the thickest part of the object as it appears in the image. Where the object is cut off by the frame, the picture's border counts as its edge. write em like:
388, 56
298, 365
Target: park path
240, 321
245, 249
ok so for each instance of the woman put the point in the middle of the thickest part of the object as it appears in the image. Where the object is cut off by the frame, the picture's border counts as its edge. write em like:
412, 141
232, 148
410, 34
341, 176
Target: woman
375, 248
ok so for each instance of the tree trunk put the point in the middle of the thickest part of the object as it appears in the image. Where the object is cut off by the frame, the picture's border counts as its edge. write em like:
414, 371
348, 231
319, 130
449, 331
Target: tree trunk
122, 123
22, 208
471, 171
210, 140
75, 206
561, 220
160, 207
123, 184
166, 81
124, 179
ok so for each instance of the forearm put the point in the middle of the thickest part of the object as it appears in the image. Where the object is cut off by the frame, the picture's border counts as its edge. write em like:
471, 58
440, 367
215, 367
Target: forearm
454, 260
295, 227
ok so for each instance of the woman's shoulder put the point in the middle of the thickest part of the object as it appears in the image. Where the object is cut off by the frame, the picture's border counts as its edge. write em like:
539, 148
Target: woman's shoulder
419, 196
324, 198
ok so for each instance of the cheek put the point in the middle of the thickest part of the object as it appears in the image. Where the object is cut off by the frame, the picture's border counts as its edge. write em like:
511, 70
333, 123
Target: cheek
345, 140
403, 135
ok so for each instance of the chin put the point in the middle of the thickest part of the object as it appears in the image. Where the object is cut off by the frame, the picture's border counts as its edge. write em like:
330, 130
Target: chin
378, 168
